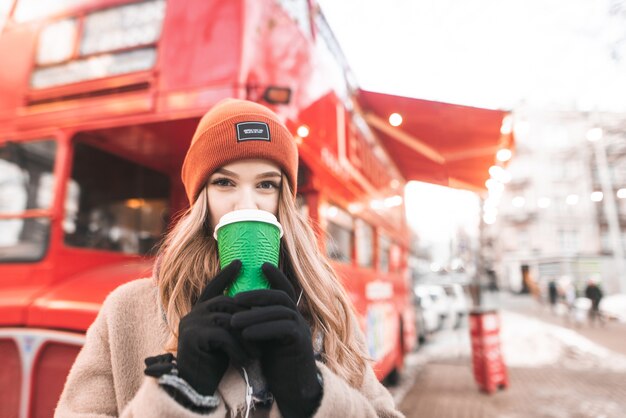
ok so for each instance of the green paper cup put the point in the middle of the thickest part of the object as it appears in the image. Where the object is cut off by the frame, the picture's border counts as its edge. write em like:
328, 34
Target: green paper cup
252, 236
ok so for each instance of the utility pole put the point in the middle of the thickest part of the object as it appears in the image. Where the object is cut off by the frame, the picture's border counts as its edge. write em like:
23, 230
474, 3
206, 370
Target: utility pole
476, 281
610, 207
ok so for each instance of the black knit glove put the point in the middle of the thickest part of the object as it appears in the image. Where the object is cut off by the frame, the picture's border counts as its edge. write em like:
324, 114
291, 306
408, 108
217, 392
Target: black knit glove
159, 365
206, 342
283, 338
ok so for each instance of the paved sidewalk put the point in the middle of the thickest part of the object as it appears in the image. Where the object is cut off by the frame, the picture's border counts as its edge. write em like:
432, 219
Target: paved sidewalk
446, 389
579, 383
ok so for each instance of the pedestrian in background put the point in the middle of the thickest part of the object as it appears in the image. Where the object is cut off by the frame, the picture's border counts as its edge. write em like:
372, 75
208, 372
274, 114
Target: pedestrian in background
568, 292
294, 350
594, 293
533, 288
552, 295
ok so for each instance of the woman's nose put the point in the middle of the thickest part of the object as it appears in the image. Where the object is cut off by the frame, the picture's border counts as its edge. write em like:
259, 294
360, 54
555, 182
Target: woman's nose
246, 200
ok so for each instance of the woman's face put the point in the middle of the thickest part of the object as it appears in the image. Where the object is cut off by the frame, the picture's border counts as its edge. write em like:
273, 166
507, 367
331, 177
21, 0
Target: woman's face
247, 184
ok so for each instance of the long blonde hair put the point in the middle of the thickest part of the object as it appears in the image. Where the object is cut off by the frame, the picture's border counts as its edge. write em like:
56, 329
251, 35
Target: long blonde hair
188, 258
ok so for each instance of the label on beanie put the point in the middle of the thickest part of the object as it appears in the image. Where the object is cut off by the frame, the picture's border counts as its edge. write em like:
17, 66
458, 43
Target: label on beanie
253, 131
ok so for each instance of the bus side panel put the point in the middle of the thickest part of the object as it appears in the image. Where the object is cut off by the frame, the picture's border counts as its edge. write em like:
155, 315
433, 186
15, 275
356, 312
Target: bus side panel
10, 378
379, 319
276, 52
19, 45
210, 28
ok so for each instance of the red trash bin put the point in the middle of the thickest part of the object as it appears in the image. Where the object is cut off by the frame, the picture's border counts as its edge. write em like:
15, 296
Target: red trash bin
489, 368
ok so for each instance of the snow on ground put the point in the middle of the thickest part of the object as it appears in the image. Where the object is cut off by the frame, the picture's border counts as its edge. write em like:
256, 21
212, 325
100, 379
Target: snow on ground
528, 342
615, 305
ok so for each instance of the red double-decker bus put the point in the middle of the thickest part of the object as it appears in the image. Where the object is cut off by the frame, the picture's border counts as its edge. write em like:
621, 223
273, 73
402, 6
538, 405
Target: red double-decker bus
98, 102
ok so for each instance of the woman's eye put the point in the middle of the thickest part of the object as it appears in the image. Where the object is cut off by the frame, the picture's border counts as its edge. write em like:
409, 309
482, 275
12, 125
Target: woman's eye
268, 185
222, 182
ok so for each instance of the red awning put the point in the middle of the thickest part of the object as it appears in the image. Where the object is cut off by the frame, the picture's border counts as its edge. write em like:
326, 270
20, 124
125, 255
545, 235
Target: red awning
439, 143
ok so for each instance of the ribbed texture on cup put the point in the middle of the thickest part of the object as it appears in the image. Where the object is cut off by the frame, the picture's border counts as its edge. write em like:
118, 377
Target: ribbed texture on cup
254, 243
215, 144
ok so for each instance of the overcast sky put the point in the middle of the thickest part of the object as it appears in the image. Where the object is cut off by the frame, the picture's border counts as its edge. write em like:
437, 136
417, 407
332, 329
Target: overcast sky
487, 53
499, 54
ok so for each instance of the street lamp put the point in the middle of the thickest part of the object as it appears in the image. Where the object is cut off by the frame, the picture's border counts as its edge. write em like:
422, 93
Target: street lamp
594, 134
543, 202
504, 154
395, 119
597, 196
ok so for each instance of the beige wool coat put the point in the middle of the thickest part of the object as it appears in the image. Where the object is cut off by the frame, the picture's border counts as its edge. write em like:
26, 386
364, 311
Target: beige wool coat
107, 377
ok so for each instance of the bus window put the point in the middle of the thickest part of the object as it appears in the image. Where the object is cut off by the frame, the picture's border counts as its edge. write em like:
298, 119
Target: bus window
339, 234
364, 243
298, 10
114, 41
383, 253
302, 205
5, 9
26, 175
27, 10
26, 182
336, 66
395, 257
114, 204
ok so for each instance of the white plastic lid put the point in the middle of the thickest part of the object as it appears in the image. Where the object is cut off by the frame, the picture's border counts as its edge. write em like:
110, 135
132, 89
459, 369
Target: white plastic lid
248, 215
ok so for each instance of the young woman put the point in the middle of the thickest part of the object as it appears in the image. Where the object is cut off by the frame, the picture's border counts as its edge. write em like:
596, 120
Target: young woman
294, 350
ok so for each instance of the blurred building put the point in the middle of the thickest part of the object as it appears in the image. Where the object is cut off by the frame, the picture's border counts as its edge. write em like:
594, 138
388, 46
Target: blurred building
554, 220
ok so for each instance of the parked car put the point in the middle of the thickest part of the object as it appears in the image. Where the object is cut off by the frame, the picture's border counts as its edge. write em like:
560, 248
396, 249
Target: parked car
422, 330
457, 303
435, 304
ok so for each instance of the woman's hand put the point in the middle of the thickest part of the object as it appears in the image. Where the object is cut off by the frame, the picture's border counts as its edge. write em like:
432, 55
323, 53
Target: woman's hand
206, 342
282, 336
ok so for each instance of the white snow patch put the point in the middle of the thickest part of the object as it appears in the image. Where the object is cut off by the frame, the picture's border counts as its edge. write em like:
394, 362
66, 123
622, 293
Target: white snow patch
527, 342
615, 306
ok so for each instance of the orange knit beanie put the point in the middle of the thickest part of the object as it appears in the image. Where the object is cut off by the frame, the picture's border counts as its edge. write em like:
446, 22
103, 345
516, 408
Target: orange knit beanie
235, 130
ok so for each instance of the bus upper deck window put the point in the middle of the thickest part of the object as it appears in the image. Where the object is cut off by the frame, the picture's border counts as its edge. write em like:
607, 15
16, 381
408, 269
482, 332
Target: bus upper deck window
27, 10
114, 204
298, 10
